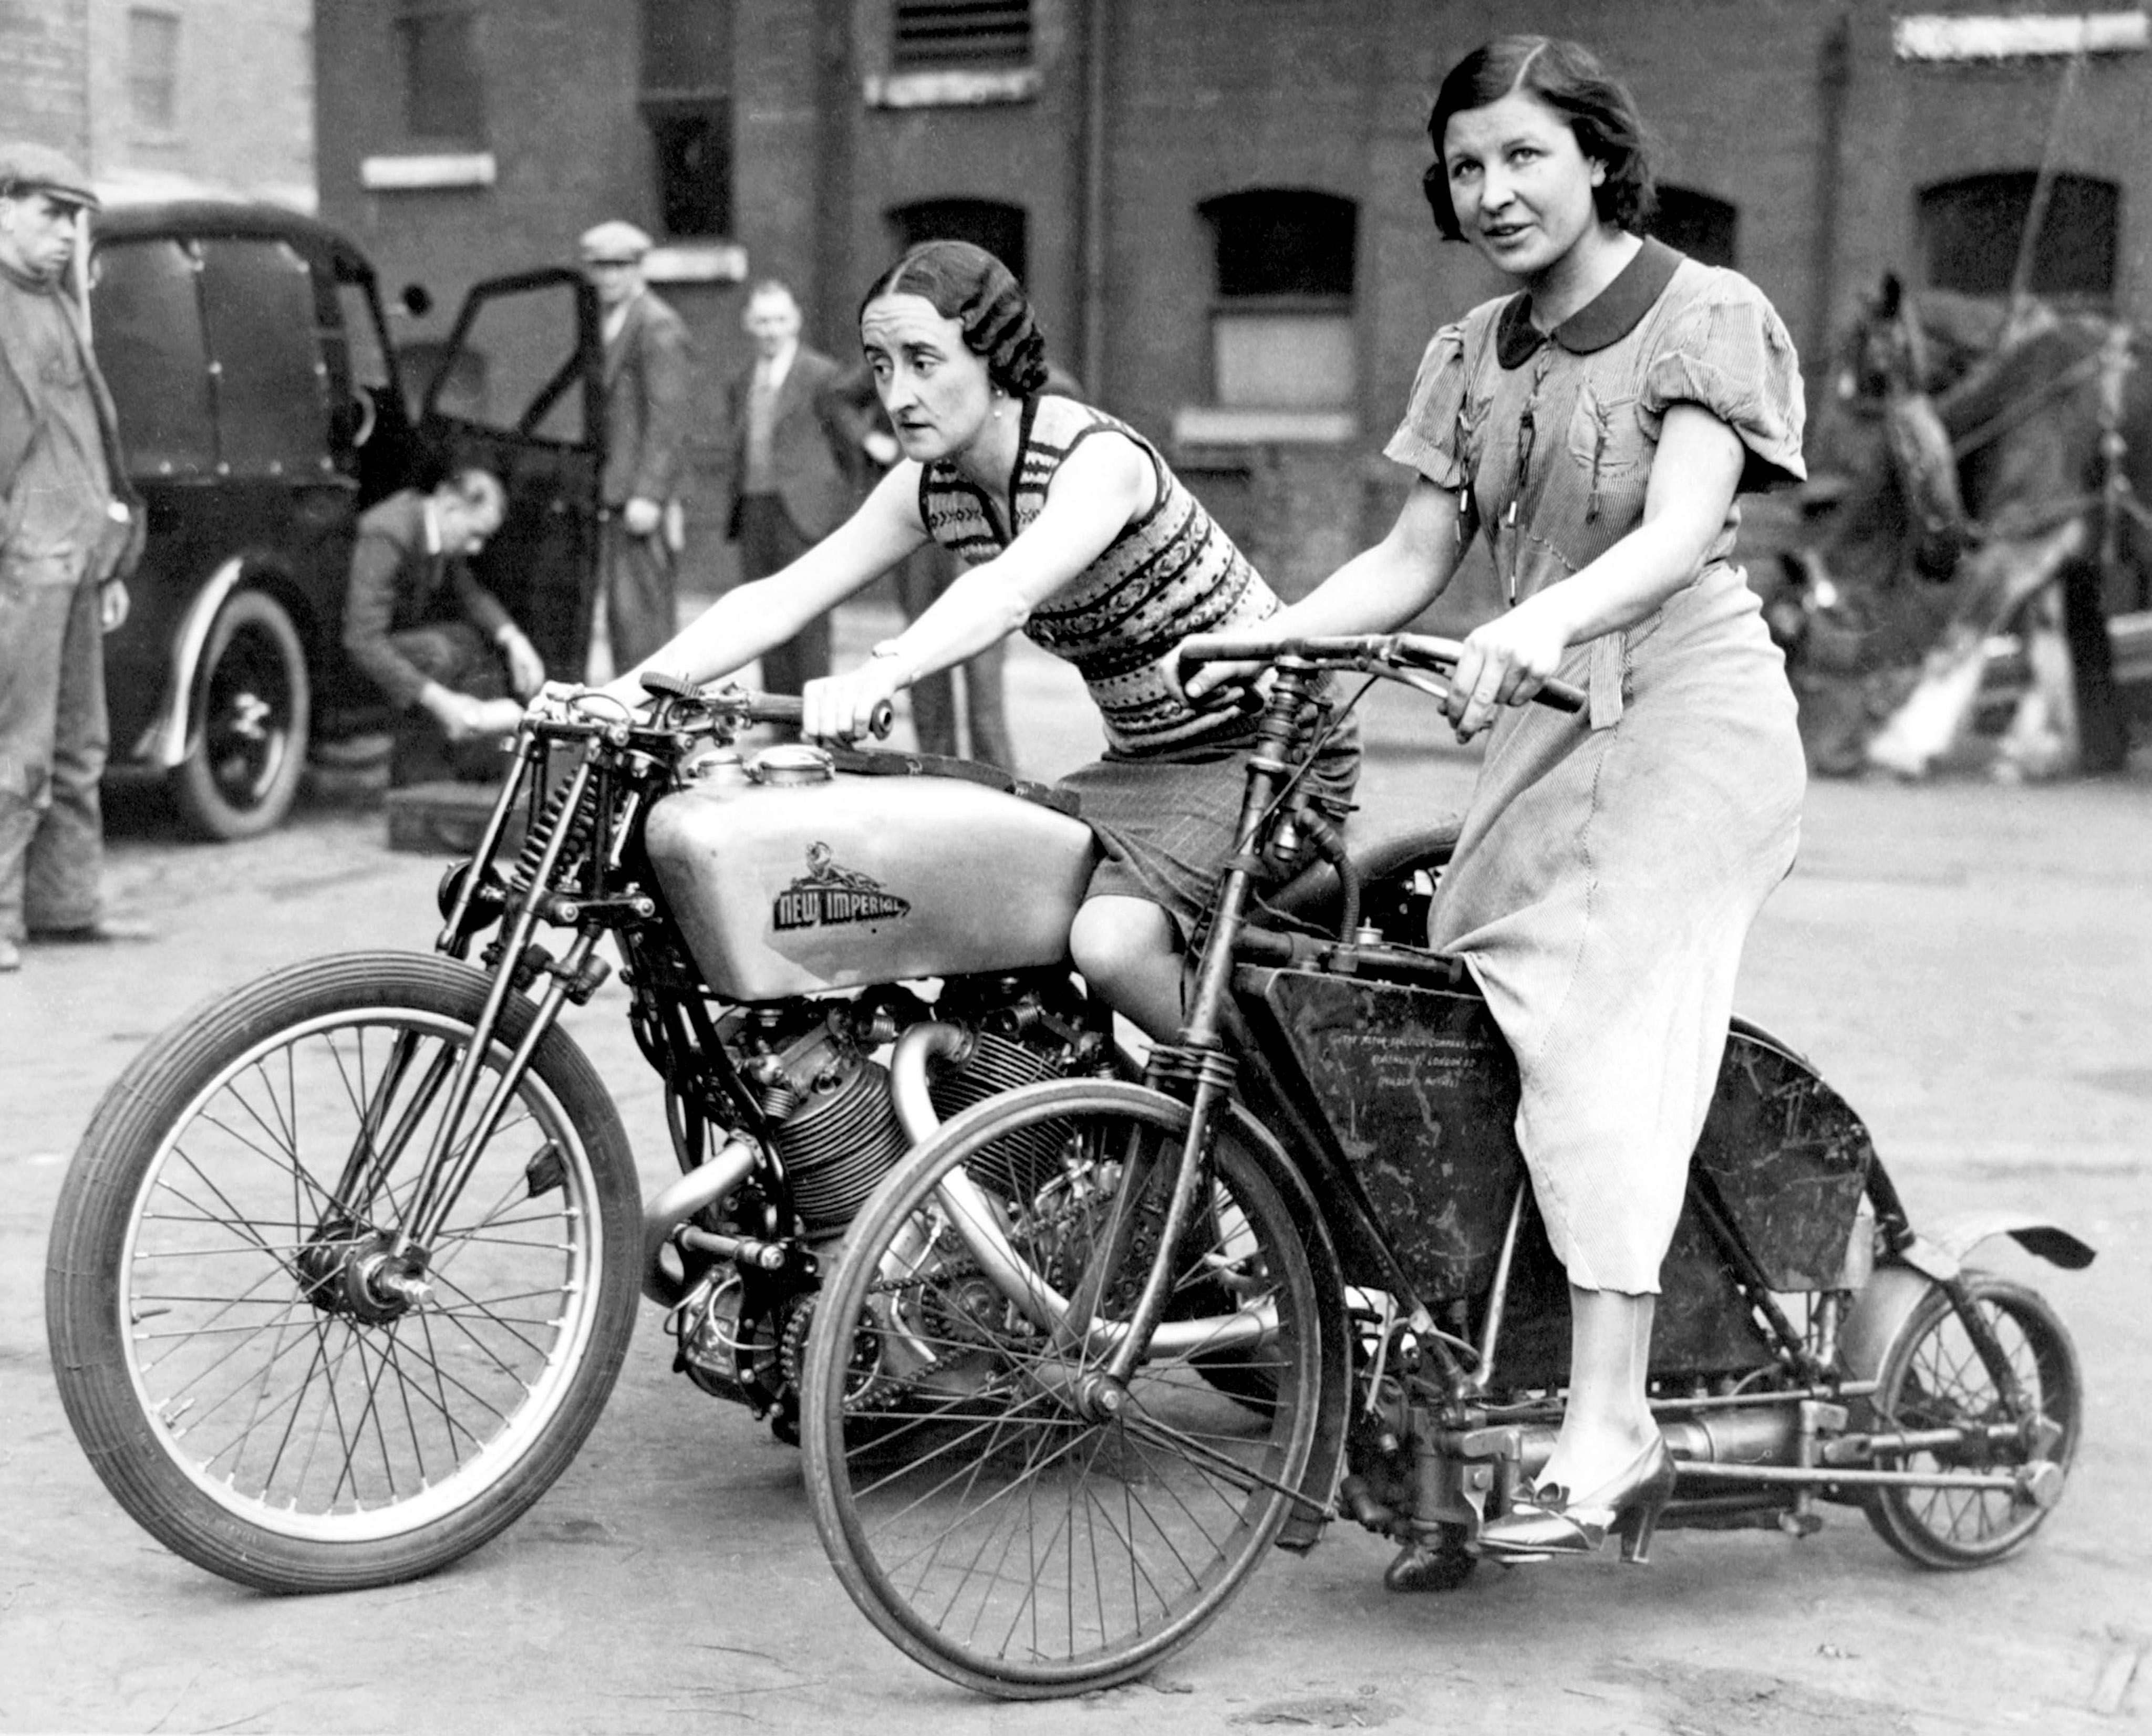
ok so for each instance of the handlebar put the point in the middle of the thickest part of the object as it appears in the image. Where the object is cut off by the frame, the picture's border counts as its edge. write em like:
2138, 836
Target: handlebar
1372, 653
757, 707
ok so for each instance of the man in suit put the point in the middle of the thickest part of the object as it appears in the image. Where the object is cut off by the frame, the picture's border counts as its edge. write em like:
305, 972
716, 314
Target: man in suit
647, 367
434, 640
69, 532
796, 437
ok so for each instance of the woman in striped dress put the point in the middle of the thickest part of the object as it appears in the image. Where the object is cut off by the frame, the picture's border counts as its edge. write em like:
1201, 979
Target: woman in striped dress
1073, 530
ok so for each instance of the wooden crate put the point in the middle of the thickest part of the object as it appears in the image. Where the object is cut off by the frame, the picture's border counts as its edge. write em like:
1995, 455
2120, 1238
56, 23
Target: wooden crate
446, 819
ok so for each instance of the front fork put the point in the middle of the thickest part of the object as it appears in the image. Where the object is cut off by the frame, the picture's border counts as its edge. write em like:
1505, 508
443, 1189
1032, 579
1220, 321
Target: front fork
387, 1268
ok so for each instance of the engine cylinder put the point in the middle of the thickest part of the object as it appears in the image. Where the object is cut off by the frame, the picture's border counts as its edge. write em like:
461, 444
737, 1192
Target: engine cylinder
1020, 1164
842, 1140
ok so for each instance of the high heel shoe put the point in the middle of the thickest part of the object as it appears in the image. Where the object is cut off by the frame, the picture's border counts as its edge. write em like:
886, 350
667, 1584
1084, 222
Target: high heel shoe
1549, 1522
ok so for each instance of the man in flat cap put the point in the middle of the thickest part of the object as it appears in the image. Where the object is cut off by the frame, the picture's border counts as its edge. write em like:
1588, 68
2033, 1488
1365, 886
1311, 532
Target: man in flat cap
69, 532
645, 384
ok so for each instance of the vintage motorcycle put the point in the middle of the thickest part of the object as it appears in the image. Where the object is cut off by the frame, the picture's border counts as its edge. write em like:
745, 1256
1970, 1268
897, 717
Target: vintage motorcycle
345, 1268
1094, 1346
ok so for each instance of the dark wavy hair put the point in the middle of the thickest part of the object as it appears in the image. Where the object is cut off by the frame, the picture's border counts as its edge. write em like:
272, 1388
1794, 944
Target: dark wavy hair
1569, 78
968, 285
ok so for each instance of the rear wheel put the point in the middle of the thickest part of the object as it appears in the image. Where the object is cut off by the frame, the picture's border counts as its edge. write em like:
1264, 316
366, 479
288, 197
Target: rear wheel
248, 1385
1933, 1378
999, 1510
247, 723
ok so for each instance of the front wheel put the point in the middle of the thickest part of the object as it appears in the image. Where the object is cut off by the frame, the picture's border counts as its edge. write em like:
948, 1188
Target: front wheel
1932, 1378
249, 1387
1000, 1511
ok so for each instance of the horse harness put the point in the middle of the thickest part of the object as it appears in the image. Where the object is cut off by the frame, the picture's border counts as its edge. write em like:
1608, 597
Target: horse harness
1927, 458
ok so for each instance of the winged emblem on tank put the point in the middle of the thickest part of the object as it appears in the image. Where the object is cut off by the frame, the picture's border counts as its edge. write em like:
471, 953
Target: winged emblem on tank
827, 894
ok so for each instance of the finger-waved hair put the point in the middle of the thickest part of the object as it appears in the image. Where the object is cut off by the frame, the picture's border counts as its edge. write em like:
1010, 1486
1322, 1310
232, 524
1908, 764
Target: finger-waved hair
1569, 78
968, 285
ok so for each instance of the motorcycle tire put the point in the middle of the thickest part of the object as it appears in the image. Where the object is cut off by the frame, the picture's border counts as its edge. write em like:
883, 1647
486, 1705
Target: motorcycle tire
244, 1392
1930, 1377
990, 1518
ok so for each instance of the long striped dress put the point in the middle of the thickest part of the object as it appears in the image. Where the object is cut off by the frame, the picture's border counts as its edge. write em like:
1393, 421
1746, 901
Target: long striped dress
1165, 798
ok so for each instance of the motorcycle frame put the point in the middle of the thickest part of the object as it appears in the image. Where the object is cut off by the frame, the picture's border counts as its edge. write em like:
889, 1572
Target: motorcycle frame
1474, 1464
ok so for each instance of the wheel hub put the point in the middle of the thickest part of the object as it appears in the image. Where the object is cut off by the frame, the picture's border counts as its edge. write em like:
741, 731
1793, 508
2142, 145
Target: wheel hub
359, 1274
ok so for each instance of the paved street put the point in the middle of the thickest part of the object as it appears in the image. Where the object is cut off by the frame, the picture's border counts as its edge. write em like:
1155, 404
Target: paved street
1970, 965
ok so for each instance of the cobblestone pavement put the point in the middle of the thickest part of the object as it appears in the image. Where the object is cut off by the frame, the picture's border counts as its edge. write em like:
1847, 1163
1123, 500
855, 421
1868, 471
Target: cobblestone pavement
1971, 965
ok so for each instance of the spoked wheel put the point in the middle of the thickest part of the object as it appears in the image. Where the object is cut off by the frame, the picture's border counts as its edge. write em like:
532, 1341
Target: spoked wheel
246, 729
998, 1508
235, 1337
1933, 1378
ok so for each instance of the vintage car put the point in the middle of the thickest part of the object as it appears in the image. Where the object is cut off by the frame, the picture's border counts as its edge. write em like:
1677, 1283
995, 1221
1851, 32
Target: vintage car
262, 408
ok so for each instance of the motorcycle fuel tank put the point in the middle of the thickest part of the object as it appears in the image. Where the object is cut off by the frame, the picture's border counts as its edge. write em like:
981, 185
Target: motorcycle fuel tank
837, 881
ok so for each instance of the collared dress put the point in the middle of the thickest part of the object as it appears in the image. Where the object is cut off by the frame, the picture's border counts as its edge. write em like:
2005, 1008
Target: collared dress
1165, 798
1611, 865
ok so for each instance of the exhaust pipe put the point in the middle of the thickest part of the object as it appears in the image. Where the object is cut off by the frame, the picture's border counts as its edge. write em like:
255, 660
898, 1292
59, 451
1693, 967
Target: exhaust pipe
664, 1280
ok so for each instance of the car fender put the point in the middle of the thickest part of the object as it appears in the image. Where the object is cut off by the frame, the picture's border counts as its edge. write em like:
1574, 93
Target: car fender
163, 744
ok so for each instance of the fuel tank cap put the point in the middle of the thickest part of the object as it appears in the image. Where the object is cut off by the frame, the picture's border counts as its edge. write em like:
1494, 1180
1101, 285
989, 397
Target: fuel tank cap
792, 763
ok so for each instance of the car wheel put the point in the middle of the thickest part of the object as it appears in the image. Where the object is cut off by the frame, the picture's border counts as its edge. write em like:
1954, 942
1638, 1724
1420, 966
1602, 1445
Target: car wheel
247, 723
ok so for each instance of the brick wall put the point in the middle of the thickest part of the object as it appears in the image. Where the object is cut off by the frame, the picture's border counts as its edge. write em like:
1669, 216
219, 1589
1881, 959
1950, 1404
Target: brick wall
44, 73
243, 99
1207, 97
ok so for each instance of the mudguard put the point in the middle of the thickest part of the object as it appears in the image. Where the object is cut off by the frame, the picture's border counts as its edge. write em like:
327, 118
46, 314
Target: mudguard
1880, 1309
1941, 1251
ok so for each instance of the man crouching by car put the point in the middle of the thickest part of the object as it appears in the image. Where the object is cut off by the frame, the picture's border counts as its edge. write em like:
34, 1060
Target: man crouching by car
431, 637
68, 535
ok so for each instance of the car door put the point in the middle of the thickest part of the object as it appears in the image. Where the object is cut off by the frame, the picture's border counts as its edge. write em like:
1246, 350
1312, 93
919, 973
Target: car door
518, 389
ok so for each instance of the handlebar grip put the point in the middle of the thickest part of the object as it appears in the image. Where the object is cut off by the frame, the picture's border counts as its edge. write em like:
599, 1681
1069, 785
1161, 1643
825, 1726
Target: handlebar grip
1561, 696
787, 708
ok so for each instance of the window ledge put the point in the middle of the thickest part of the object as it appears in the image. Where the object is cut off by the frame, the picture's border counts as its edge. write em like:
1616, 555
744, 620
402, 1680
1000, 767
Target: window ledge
1210, 425
425, 172
1941, 36
954, 87
695, 262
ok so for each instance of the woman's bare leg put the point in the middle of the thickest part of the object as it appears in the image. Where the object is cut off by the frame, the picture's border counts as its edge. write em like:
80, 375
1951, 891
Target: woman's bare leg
1128, 951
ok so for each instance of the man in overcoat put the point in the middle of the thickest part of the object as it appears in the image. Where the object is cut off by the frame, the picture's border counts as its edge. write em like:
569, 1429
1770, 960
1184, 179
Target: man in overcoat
70, 531
647, 369
797, 438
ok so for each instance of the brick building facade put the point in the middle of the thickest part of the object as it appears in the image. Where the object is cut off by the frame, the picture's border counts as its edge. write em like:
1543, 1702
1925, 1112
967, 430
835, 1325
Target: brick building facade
1215, 203
167, 97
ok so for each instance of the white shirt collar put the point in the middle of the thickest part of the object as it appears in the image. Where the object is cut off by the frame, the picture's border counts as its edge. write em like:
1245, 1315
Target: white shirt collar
781, 364
433, 529
615, 317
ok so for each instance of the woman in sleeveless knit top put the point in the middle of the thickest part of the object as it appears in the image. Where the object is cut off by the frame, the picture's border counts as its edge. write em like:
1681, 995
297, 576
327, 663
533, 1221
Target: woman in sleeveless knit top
1073, 530
1594, 430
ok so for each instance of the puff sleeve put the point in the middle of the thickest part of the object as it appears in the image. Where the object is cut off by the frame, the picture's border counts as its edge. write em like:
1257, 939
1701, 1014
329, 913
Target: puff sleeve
1435, 438
1729, 351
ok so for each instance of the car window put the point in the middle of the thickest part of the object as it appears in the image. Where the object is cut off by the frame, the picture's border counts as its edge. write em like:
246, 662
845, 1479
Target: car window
147, 317
360, 336
517, 367
272, 383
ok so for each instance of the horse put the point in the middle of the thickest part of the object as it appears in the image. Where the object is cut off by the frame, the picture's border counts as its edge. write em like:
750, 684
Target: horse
1972, 467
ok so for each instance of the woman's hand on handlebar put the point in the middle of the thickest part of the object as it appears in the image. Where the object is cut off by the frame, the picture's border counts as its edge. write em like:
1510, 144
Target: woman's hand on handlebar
845, 707
1504, 662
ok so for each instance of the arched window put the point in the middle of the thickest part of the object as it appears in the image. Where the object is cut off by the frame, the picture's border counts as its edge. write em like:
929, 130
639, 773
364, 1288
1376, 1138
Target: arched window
1971, 231
998, 228
1696, 224
1282, 320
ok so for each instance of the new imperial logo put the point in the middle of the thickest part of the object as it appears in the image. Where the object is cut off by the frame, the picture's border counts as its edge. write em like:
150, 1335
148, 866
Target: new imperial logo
827, 894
